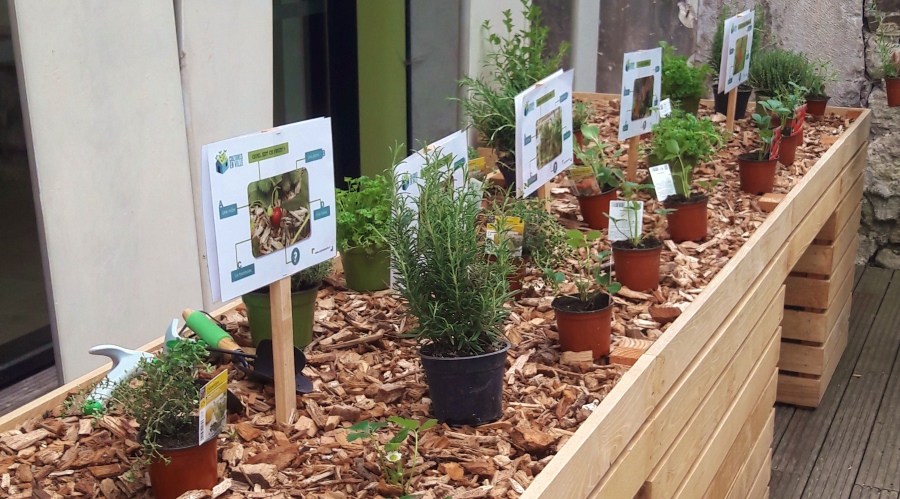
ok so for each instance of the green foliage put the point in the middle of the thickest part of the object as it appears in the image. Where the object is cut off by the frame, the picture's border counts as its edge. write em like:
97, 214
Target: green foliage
820, 76
791, 98
728, 10
544, 237
633, 212
764, 125
680, 80
682, 140
363, 213
163, 399
772, 71
516, 60
311, 276
886, 45
594, 155
442, 263
389, 455
590, 279
581, 113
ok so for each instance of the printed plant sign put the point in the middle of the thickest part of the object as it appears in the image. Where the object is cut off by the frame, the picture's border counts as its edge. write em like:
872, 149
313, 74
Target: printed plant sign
543, 132
626, 220
736, 47
267, 206
213, 406
641, 88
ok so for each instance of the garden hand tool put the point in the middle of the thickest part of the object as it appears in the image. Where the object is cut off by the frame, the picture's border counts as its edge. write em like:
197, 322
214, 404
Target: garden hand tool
263, 368
125, 364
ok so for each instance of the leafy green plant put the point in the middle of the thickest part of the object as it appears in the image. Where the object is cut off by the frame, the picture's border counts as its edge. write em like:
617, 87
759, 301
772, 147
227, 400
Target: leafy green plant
633, 213
594, 156
443, 269
771, 71
544, 237
363, 213
163, 399
680, 80
886, 45
389, 454
590, 279
581, 114
311, 276
772, 107
517, 59
820, 76
791, 98
682, 140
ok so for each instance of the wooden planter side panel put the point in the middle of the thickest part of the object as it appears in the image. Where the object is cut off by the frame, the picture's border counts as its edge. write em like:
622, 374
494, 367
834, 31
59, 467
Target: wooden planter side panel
601, 440
815, 292
760, 488
759, 454
814, 326
815, 358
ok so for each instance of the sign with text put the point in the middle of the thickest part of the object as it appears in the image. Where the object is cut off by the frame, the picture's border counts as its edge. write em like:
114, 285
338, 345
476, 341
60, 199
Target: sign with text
641, 89
736, 47
626, 220
268, 206
662, 181
213, 406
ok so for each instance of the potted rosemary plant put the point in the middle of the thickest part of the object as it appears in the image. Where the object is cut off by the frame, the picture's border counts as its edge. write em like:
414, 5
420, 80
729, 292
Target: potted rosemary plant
515, 61
595, 183
757, 168
793, 112
304, 290
817, 98
163, 400
455, 290
583, 319
888, 48
636, 258
683, 141
681, 82
363, 214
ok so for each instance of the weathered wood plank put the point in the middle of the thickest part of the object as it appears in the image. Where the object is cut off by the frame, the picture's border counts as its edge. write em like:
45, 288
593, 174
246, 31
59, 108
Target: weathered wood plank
815, 358
819, 293
783, 415
865, 492
758, 461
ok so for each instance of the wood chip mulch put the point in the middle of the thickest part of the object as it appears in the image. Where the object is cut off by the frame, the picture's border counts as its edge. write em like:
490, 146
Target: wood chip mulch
363, 370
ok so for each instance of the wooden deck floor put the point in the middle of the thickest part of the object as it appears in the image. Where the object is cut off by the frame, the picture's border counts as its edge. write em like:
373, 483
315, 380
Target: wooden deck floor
850, 446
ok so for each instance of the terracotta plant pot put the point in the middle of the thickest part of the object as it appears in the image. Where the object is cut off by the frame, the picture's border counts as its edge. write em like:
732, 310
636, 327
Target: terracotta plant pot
688, 221
593, 208
579, 139
892, 88
721, 100
637, 268
366, 272
788, 151
757, 177
583, 326
190, 468
816, 105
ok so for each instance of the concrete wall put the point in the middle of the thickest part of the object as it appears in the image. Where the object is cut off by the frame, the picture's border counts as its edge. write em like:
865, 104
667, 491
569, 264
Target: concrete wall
109, 161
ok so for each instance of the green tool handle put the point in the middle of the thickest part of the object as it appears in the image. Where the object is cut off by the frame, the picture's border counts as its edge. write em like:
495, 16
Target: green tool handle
208, 331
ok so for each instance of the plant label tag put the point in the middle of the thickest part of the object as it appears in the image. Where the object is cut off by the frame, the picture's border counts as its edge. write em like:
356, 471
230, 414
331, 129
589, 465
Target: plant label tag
641, 90
776, 144
213, 404
737, 44
662, 181
583, 182
626, 220
665, 108
799, 118
508, 229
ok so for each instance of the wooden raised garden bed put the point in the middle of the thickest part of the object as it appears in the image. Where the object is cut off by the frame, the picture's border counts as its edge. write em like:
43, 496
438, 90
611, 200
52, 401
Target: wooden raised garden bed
694, 415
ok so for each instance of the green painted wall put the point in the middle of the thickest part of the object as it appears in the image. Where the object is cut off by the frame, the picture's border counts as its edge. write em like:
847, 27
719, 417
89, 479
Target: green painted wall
381, 32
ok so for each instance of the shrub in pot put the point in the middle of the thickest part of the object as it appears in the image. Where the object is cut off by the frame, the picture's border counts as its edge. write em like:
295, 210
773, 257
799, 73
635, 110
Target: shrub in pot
757, 169
792, 116
683, 141
595, 183
456, 291
636, 259
583, 319
816, 96
771, 72
515, 61
163, 400
888, 49
363, 213
304, 290
681, 82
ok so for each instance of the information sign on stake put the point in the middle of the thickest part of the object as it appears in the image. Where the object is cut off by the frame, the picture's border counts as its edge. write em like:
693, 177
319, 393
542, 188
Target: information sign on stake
662, 181
543, 131
737, 45
624, 221
641, 89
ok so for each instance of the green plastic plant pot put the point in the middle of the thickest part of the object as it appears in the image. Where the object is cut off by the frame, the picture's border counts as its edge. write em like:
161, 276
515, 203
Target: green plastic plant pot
366, 272
259, 315
691, 105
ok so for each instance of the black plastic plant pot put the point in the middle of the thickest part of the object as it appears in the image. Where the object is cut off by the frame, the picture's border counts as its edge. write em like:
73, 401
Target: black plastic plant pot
740, 108
466, 390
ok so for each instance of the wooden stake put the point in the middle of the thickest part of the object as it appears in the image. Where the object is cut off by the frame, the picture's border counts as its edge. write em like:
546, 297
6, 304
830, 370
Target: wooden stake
543, 192
633, 145
732, 104
283, 351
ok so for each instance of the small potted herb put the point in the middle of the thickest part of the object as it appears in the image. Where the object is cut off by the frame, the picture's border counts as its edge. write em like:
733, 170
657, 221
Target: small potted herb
888, 48
583, 319
636, 258
542, 236
792, 118
681, 82
757, 168
595, 183
456, 291
581, 114
163, 400
817, 98
683, 141
363, 214
515, 61
771, 72
304, 290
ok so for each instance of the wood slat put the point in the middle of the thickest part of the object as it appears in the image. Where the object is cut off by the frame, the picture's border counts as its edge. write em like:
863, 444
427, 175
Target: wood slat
847, 206
814, 326
864, 492
808, 391
819, 293
824, 258
736, 459
816, 358
758, 461
760, 488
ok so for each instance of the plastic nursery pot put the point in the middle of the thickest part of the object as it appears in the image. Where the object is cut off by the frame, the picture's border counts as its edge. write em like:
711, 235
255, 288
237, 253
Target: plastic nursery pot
579, 139
366, 272
259, 315
517, 276
466, 390
788, 151
189, 468
594, 207
892, 88
583, 326
688, 221
637, 268
757, 177
816, 105
691, 105
740, 108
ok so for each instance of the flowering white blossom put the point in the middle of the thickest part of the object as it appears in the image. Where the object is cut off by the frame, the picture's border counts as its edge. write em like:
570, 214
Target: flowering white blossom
393, 456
